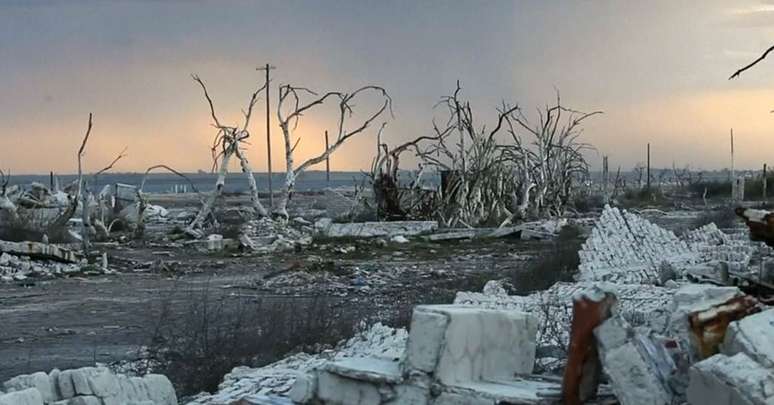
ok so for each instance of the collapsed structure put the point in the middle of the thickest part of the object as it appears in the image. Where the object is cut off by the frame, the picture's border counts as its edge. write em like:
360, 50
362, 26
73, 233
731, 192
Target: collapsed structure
670, 342
625, 248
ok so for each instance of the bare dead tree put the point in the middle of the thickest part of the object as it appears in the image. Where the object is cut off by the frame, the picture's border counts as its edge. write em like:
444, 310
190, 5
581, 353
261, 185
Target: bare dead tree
555, 152
86, 198
142, 202
476, 186
227, 143
291, 108
384, 177
83, 196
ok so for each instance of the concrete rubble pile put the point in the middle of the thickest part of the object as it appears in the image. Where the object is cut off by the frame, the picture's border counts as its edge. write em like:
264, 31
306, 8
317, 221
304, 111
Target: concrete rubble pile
706, 356
35, 209
20, 260
326, 227
314, 277
536, 230
454, 355
553, 310
627, 249
694, 343
273, 382
265, 235
87, 386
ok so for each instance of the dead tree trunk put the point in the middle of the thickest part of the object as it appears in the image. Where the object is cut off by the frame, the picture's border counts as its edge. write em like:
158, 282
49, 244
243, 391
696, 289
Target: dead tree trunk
258, 208
209, 204
83, 196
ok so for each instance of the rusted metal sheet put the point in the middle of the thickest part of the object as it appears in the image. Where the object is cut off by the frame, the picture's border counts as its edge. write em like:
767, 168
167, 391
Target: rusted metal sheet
583, 370
760, 223
709, 326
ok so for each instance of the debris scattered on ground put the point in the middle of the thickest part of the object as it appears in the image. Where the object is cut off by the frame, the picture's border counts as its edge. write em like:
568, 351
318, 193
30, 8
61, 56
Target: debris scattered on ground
277, 379
454, 354
266, 235
628, 249
375, 229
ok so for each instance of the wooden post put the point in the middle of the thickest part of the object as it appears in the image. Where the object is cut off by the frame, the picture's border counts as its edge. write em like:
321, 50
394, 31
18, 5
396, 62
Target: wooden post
733, 169
763, 184
647, 173
327, 161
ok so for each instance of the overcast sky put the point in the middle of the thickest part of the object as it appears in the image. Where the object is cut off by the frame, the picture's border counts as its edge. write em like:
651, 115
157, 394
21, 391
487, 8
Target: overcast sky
657, 69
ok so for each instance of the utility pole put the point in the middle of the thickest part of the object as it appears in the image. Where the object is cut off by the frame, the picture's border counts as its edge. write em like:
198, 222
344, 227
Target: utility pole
267, 68
733, 169
647, 173
605, 180
763, 184
327, 161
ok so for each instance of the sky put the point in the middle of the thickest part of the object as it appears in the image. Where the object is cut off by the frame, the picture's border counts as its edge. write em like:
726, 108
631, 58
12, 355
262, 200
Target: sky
658, 69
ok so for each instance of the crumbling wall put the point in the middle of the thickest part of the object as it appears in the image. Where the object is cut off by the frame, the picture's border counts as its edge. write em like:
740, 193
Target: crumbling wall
87, 385
625, 248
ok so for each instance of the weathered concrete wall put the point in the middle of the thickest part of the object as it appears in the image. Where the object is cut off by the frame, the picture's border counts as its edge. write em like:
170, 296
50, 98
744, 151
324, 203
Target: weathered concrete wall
87, 385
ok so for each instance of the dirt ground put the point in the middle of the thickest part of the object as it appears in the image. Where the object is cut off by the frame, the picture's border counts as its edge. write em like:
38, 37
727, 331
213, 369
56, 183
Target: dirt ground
65, 323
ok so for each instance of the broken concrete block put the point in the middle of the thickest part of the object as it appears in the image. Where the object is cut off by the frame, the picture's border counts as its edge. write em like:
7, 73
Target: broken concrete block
633, 381
38, 250
80, 378
458, 398
29, 396
53, 378
753, 336
374, 229
102, 382
131, 389
425, 340
735, 380
160, 389
304, 388
410, 395
38, 381
335, 389
85, 400
65, 384
481, 344
632, 372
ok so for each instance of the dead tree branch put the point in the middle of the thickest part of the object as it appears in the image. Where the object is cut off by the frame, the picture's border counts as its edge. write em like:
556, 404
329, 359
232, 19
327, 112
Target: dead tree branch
290, 110
227, 142
753, 63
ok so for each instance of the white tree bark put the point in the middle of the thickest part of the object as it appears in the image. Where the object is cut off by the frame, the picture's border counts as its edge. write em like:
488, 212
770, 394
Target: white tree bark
194, 228
258, 208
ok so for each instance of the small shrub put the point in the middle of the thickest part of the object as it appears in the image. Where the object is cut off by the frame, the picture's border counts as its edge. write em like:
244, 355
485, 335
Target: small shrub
588, 202
559, 262
195, 344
